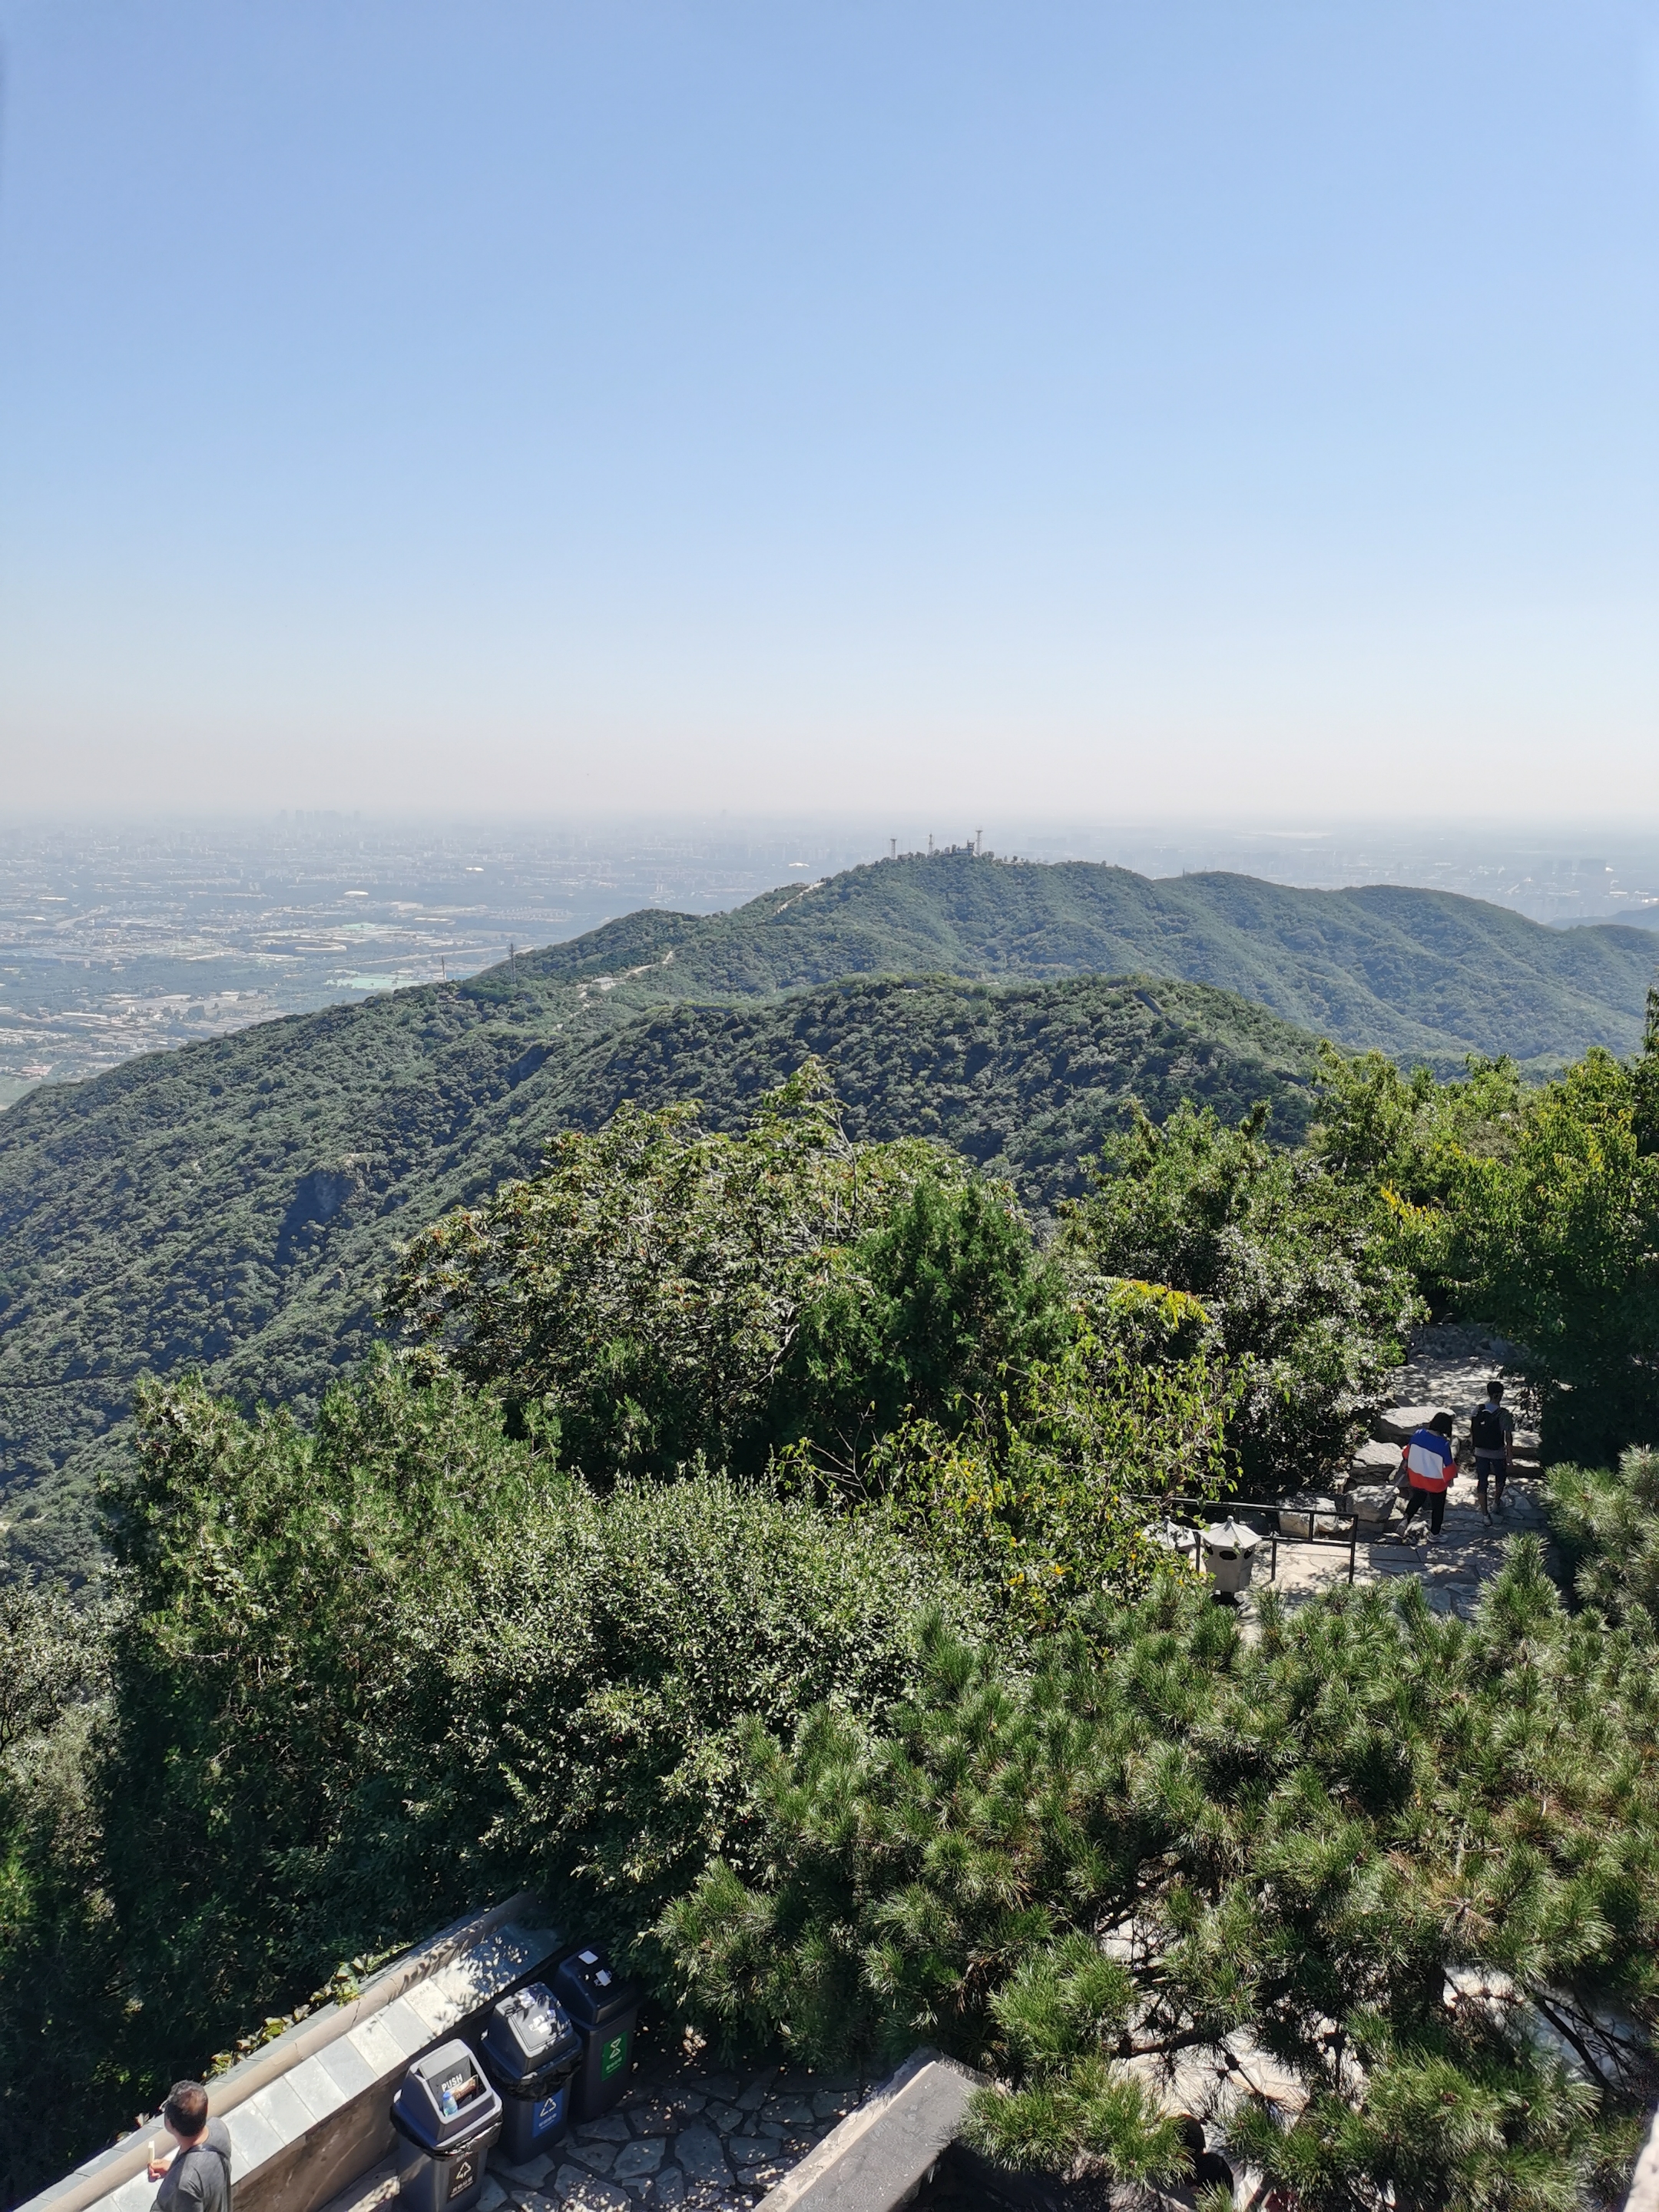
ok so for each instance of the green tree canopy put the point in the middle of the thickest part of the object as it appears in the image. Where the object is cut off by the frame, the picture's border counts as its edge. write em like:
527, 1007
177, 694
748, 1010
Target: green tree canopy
1305, 1299
1414, 1863
648, 1286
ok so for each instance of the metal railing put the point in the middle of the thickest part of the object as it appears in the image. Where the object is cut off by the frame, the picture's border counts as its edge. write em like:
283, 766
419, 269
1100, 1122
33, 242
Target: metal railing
1269, 1508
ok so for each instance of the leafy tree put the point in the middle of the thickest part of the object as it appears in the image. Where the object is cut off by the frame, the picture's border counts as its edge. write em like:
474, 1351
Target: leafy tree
1305, 1299
1414, 1862
1554, 1239
1383, 1129
646, 1288
1043, 1497
925, 1318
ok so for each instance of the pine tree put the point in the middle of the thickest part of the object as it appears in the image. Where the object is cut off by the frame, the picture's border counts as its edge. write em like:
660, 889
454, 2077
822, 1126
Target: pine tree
1411, 1862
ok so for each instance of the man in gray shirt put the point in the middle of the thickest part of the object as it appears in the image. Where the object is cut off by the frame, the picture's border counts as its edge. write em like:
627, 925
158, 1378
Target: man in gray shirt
197, 2178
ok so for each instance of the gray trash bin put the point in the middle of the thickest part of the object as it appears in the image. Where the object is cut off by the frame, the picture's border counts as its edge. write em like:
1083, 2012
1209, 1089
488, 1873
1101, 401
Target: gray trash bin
530, 2052
446, 2116
1228, 1549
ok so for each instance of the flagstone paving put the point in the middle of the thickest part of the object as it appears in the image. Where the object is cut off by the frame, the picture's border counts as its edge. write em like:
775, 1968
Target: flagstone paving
1448, 1370
686, 2137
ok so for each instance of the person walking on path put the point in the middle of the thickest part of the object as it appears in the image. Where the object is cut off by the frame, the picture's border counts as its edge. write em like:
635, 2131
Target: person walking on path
1431, 1464
195, 2178
1491, 1432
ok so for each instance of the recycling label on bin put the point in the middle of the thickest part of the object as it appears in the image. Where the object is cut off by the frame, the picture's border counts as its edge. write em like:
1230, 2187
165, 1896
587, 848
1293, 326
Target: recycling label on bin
612, 2055
547, 2113
461, 2174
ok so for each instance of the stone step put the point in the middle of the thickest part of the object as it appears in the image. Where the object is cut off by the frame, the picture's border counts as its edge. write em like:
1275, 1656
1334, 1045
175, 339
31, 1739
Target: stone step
1398, 1424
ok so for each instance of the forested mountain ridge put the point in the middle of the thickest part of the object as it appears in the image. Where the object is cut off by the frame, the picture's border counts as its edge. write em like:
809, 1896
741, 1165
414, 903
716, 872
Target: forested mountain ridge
1423, 976
236, 1206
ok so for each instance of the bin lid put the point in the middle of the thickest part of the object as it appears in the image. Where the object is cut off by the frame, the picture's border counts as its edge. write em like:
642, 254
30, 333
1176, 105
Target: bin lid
529, 2031
446, 2096
1229, 1535
592, 1988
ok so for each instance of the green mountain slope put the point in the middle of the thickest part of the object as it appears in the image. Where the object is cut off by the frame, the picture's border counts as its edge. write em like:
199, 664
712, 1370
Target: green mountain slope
1424, 976
236, 1206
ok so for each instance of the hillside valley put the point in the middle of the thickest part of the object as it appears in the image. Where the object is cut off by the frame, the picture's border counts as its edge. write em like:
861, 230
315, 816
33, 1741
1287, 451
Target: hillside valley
234, 1206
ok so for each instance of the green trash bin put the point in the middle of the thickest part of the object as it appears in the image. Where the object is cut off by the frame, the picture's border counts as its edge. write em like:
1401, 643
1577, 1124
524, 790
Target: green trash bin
603, 2006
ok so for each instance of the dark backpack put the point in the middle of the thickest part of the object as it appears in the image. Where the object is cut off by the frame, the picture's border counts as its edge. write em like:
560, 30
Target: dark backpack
1486, 1430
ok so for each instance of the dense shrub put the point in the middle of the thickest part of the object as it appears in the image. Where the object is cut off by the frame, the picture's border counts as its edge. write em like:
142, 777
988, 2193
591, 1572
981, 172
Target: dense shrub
62, 2012
370, 1675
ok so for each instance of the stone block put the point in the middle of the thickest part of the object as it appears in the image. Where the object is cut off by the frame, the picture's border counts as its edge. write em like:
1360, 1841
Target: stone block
654, 2116
1376, 1458
586, 2193
597, 2157
751, 2150
381, 2048
317, 2090
346, 2065
1399, 1424
669, 2188
532, 2174
702, 2160
405, 2026
609, 2127
634, 2158
286, 2111
789, 2111
723, 2087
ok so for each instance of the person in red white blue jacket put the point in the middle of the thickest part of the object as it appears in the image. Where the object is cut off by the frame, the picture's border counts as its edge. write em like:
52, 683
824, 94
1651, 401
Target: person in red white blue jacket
1430, 1463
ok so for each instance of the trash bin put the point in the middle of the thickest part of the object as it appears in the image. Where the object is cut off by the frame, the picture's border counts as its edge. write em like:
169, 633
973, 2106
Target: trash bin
1174, 1536
530, 2052
1228, 1547
446, 2116
603, 2006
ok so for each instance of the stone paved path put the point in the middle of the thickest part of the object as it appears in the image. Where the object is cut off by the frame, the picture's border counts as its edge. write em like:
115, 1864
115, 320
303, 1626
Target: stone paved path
686, 2135
1448, 1370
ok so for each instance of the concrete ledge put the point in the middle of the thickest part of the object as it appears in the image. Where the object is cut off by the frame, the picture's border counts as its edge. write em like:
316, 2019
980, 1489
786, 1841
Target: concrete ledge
1645, 2182
311, 2110
879, 2152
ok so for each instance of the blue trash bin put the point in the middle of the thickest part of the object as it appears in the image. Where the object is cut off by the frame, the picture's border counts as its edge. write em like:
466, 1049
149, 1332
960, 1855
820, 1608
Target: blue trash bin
530, 2052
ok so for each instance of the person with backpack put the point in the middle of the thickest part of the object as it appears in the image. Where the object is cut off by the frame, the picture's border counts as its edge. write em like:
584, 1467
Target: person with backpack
195, 2178
1431, 1464
1491, 1433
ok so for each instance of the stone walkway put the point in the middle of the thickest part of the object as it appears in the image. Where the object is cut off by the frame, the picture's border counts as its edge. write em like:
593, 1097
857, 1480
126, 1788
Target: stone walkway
1447, 1371
684, 2136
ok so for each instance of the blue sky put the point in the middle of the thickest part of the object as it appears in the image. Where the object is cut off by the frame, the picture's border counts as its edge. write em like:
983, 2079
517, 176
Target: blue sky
1175, 408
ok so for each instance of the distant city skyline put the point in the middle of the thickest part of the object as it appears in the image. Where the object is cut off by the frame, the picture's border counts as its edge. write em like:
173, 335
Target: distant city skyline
1080, 411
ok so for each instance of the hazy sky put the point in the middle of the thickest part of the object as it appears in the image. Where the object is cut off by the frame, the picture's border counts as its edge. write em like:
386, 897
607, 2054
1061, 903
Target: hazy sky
1143, 407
